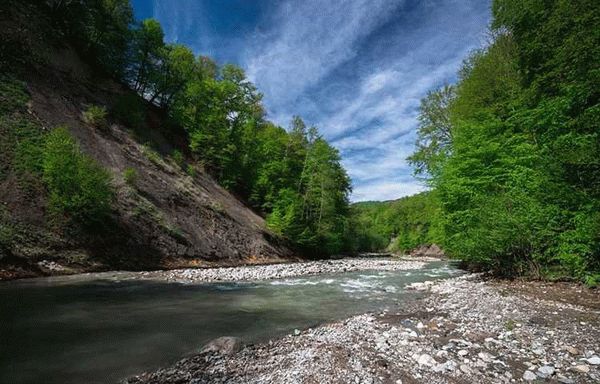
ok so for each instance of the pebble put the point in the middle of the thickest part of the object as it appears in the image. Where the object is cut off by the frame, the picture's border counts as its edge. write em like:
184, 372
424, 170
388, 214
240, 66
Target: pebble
529, 376
594, 360
426, 360
573, 350
581, 368
545, 371
371, 349
465, 369
277, 271
564, 379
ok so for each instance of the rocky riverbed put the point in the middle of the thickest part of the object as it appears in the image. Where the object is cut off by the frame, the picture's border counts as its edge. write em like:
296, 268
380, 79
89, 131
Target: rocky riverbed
283, 270
466, 330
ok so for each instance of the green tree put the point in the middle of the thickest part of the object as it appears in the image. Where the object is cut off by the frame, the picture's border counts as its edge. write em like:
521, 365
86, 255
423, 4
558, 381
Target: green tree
79, 188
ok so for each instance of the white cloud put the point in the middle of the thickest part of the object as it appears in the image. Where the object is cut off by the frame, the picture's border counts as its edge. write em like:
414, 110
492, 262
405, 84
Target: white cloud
308, 40
356, 69
386, 190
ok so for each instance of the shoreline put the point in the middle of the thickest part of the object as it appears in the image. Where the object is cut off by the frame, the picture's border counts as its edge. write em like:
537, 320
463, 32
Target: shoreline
243, 273
464, 330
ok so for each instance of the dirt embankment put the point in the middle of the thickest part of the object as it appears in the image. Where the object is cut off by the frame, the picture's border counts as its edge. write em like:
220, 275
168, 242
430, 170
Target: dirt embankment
465, 331
167, 217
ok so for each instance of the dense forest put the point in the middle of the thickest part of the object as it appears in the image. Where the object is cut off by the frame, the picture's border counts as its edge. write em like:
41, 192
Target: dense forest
399, 225
511, 150
293, 177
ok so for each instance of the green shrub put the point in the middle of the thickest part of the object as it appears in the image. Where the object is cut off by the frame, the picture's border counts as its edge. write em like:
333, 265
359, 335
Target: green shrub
151, 154
79, 188
593, 281
191, 170
13, 95
130, 110
130, 175
177, 157
95, 115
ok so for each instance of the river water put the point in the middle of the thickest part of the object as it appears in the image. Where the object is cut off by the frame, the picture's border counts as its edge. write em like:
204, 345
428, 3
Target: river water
73, 330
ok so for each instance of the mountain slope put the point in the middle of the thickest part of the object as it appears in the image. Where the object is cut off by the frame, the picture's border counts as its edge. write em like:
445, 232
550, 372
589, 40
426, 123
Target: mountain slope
168, 214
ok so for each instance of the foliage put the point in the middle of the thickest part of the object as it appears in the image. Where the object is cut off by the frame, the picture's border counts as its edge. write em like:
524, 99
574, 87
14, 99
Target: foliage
95, 115
177, 157
294, 178
518, 181
151, 154
79, 188
130, 110
398, 225
130, 176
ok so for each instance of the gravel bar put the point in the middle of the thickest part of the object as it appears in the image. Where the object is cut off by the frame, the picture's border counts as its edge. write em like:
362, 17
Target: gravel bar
278, 271
464, 330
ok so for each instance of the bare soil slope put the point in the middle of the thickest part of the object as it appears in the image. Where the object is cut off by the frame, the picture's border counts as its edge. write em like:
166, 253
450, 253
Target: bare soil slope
168, 217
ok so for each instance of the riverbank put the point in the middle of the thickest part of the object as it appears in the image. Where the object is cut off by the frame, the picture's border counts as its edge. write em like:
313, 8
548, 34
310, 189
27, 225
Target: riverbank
255, 272
465, 330
282, 270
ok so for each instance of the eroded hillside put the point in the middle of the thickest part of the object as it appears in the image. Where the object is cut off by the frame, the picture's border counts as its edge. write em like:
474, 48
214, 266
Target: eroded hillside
166, 211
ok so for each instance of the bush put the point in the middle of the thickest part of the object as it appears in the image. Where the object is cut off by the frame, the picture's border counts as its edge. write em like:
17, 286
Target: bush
130, 175
130, 110
79, 188
13, 95
151, 154
177, 157
95, 115
191, 170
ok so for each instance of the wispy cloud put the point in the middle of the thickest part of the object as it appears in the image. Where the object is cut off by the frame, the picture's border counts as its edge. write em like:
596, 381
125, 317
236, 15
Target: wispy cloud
357, 69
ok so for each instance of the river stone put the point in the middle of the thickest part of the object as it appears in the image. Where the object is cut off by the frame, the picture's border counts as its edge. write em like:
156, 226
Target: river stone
529, 376
226, 345
573, 350
426, 360
545, 371
465, 369
564, 379
582, 368
594, 360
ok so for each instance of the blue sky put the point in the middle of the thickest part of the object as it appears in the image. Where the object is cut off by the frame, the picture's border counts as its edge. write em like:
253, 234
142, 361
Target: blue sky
354, 68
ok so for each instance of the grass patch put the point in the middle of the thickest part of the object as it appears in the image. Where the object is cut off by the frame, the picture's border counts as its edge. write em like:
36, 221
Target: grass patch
130, 175
95, 115
13, 95
177, 157
151, 154
217, 207
510, 325
191, 170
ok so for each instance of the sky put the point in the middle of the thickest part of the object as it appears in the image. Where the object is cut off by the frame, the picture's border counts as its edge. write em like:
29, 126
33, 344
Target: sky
356, 69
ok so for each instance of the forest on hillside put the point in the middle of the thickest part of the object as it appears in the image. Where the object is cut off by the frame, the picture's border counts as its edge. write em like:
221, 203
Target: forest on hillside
511, 150
293, 177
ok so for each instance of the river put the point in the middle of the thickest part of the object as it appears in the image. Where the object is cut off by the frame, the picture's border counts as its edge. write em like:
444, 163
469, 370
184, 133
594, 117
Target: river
74, 330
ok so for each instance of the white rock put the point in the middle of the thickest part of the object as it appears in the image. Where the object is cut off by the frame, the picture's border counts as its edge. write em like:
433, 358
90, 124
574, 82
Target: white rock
465, 369
426, 360
529, 376
463, 352
486, 356
594, 360
545, 371
564, 379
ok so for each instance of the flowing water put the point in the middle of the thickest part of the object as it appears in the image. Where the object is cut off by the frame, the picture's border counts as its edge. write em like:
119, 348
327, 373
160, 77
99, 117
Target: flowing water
73, 330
